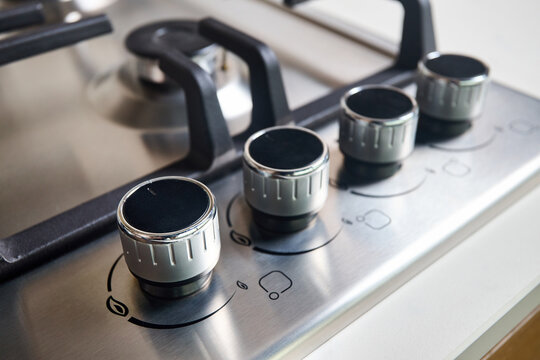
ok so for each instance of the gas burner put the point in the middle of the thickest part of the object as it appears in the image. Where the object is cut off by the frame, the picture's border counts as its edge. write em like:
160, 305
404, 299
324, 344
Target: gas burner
149, 41
140, 95
120, 96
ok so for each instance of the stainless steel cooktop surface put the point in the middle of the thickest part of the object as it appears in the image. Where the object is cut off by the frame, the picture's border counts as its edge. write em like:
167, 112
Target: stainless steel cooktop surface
271, 294
64, 133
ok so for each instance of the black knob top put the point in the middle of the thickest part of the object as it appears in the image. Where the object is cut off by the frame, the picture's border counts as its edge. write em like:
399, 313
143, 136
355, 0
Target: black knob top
456, 66
166, 205
286, 148
378, 102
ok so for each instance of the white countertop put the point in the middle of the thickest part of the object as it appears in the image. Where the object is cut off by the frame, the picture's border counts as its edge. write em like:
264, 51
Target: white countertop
445, 308
448, 306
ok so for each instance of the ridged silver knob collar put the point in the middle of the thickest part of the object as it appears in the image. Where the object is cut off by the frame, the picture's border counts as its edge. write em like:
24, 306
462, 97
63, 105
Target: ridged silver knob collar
286, 184
159, 245
377, 124
451, 87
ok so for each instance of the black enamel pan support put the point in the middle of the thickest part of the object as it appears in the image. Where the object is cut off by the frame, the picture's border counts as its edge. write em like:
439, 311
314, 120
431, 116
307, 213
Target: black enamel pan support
213, 151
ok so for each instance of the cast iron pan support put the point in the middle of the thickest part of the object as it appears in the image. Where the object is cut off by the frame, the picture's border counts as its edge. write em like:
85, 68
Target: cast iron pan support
51, 37
417, 36
21, 16
270, 106
210, 141
59, 234
209, 137
170, 43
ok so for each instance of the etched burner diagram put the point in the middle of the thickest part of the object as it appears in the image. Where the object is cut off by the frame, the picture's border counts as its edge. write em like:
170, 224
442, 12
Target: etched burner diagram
160, 313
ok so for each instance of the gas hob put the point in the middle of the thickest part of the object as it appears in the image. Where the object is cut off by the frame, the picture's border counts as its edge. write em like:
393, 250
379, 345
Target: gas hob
272, 293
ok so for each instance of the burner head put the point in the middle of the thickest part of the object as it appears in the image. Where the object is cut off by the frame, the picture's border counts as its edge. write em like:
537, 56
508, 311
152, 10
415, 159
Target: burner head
450, 92
285, 177
377, 130
170, 235
149, 41
140, 95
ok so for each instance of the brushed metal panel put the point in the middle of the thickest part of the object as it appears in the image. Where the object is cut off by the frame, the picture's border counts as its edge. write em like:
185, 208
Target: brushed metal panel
260, 304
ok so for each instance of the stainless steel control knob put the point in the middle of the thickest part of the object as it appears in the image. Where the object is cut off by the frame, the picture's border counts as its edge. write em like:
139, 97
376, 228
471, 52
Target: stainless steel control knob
451, 88
285, 177
377, 128
170, 235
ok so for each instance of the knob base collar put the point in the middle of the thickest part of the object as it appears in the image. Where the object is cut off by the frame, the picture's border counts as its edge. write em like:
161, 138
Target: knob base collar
432, 128
282, 224
177, 289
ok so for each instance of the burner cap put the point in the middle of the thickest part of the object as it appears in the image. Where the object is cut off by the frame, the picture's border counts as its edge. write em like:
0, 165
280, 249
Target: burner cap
149, 41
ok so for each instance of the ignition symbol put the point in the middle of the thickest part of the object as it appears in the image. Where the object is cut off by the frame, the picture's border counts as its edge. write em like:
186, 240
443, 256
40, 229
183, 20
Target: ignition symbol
116, 307
275, 283
240, 239
241, 285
